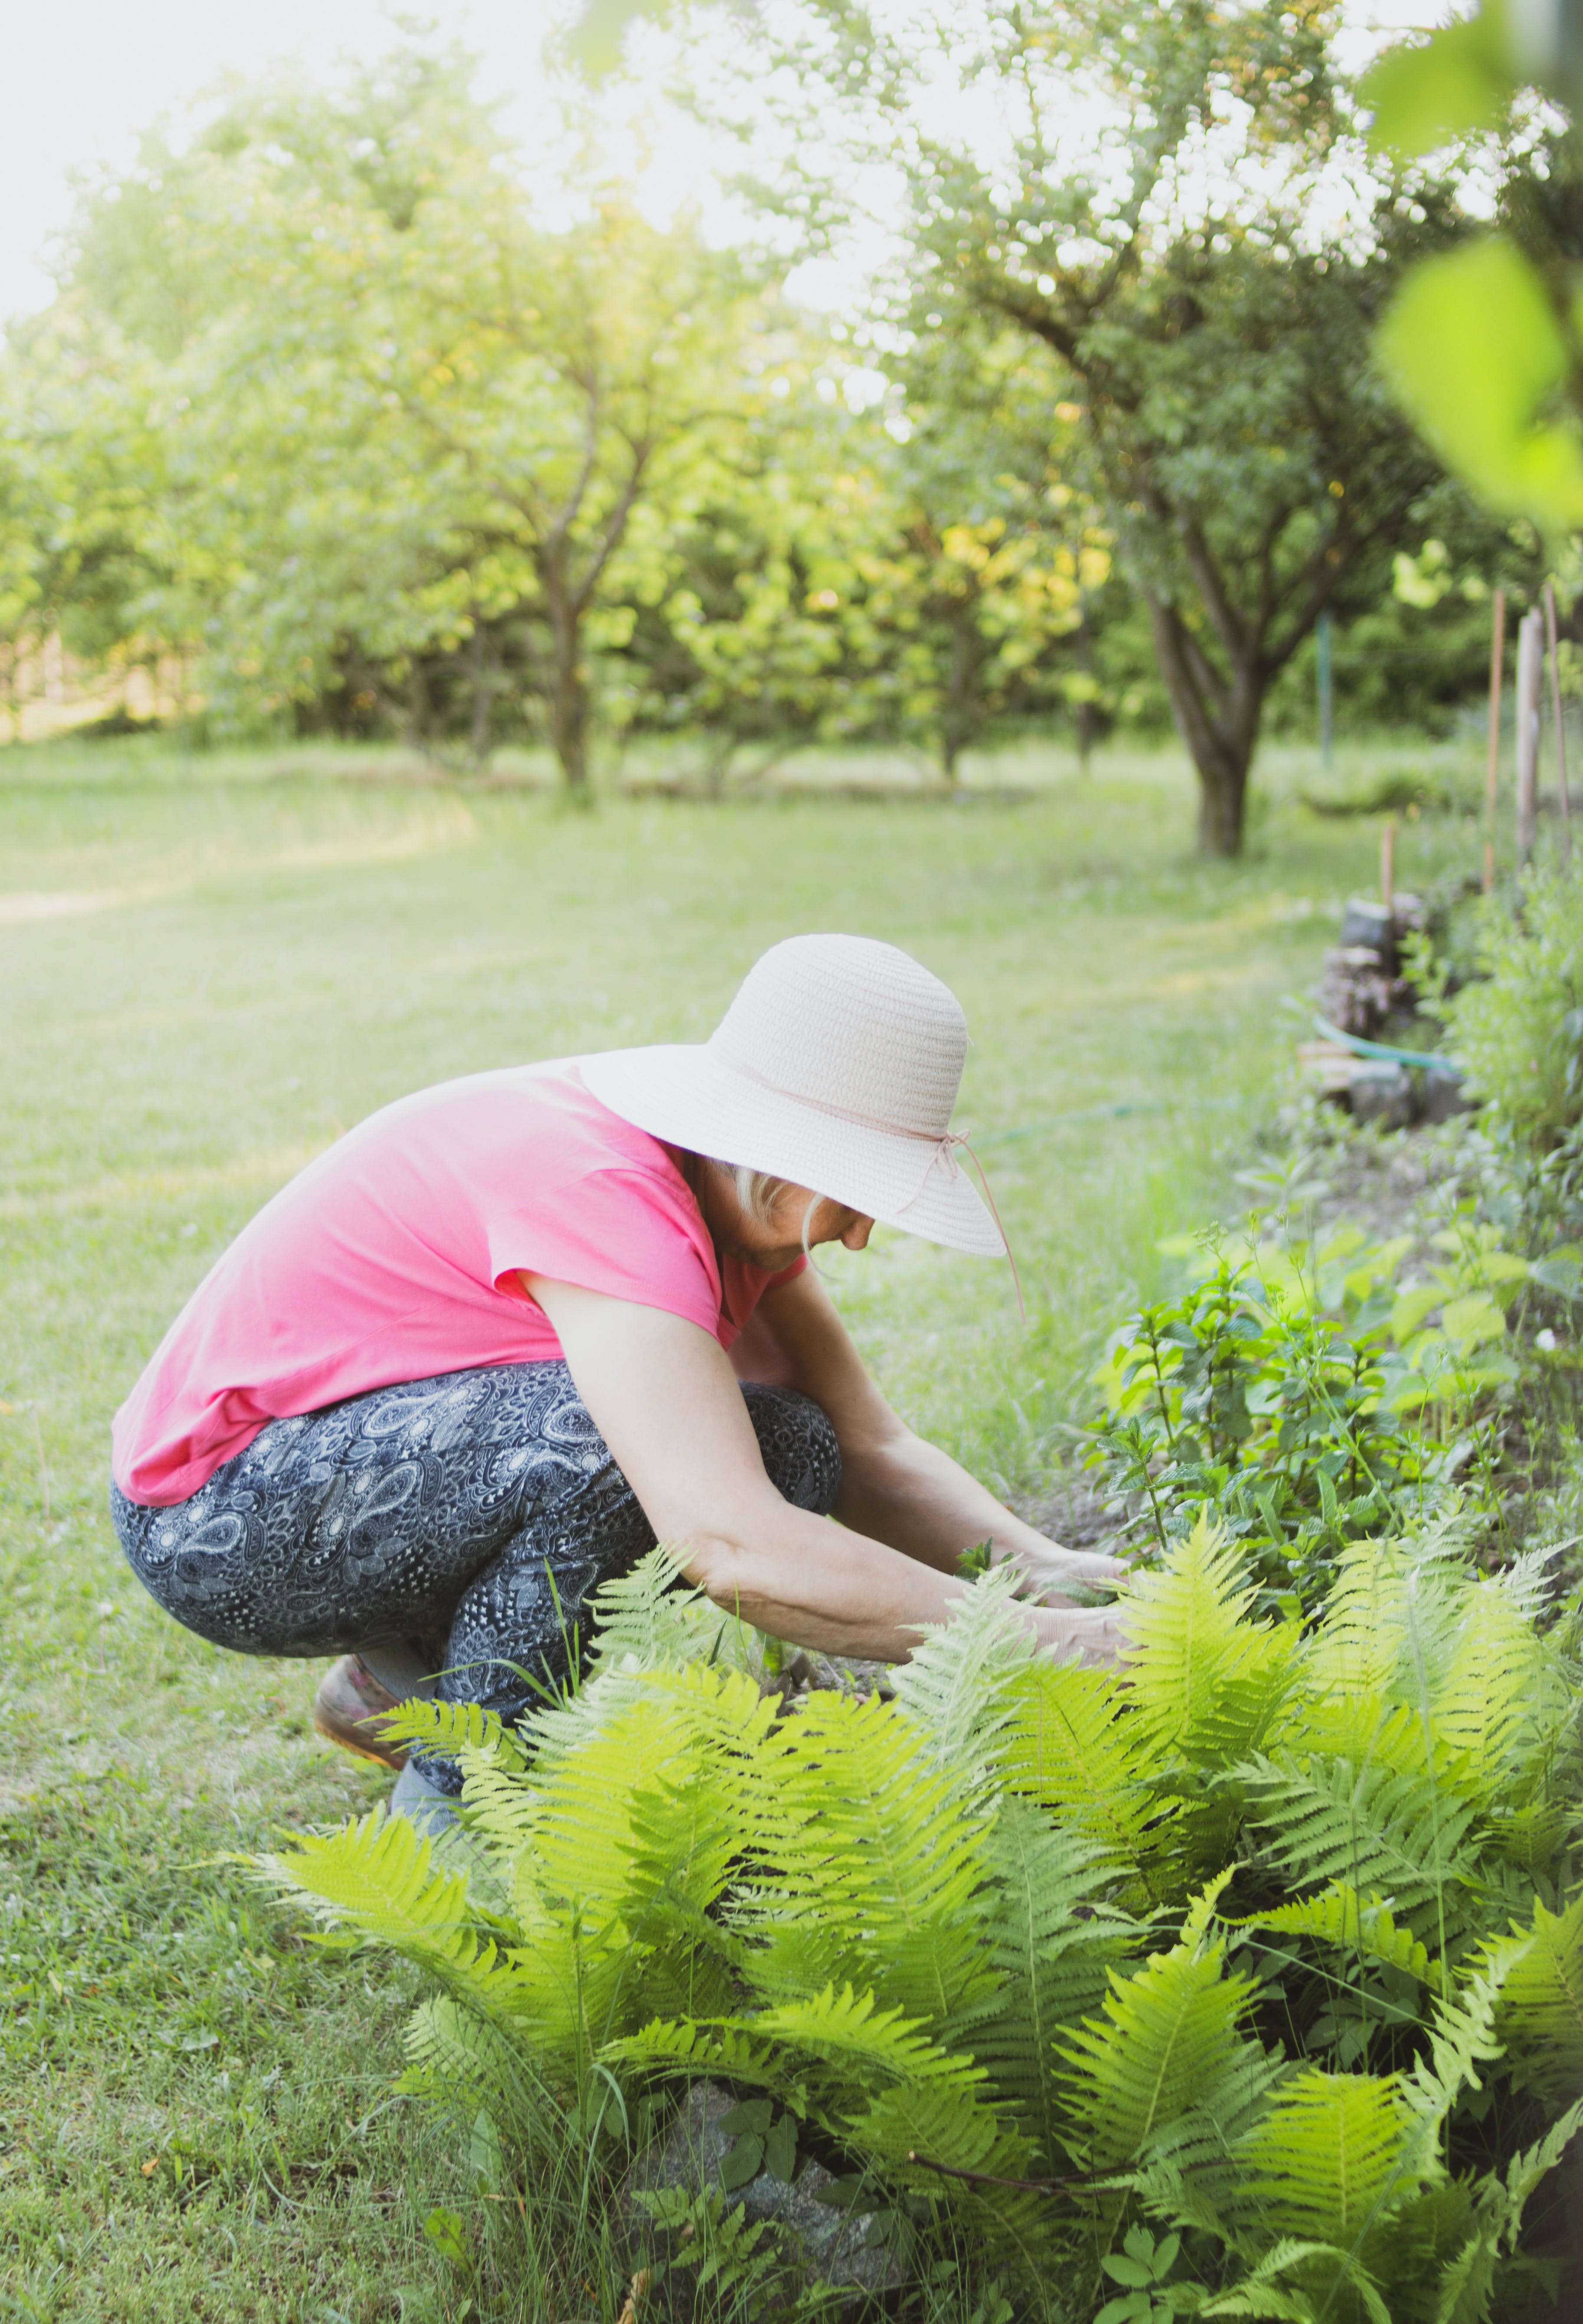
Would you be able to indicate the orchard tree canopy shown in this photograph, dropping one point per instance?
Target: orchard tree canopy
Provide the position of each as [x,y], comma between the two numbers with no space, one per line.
[412,432]
[327,413]
[1149,213]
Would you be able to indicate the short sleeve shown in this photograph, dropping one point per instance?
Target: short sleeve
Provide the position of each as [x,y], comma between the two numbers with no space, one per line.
[624,1232]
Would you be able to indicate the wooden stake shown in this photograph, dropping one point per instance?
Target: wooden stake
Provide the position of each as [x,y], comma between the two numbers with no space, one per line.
[1530,671]
[1555,704]
[1388,865]
[1497,662]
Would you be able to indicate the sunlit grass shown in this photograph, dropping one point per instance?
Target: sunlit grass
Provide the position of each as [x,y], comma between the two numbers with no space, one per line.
[253,958]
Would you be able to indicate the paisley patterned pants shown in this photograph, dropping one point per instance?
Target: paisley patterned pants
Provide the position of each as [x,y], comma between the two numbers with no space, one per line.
[461,1521]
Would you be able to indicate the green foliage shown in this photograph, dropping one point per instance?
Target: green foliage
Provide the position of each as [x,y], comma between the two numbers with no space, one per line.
[1246,452]
[1517,1028]
[910,1931]
[841,585]
[1481,342]
[1310,1395]
[420,477]
[1144,2265]
[1478,355]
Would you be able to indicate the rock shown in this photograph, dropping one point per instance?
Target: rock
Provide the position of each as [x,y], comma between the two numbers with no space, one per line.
[825,2239]
[1382,1091]
[1367,926]
[1441,1097]
[1327,1066]
[1355,993]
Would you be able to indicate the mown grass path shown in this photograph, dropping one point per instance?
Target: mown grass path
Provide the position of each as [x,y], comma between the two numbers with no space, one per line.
[206,976]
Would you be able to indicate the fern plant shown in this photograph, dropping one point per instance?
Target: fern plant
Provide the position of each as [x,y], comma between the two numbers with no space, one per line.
[1267,1950]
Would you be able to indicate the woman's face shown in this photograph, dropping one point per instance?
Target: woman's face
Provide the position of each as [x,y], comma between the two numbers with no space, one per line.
[776,1242]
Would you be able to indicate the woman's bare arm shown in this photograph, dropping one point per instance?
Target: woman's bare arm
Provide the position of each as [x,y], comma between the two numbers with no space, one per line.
[665,1399]
[895,1485]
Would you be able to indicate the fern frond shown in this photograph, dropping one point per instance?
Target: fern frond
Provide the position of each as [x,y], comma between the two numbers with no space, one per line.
[1076,1745]
[1482,1706]
[681,1956]
[1421,2246]
[1466,2282]
[958,1683]
[1327,1821]
[1325,2161]
[1166,2040]
[840,2027]
[1206,1681]
[1525,1582]
[1530,1838]
[1051,1948]
[910,2103]
[1259,2294]
[871,1871]
[1326,2269]
[689,2048]
[452,1728]
[460,2062]
[1462,2038]
[593,1773]
[1364,1925]
[653,1619]
[1362,1646]
[1192,2169]
[837,2047]
[1541,2016]
[1528,2168]
[376,1875]
[501,1808]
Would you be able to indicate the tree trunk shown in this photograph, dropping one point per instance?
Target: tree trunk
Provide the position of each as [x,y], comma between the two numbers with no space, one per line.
[481,674]
[1086,720]
[568,694]
[1090,721]
[1218,720]
[960,725]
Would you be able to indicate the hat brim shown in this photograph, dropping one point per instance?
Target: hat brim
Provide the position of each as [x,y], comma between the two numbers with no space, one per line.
[683,1093]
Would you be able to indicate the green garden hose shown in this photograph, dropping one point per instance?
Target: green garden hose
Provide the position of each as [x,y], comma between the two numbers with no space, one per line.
[1426,1060]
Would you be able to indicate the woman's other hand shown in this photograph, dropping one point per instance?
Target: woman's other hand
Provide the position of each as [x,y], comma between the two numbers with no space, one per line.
[1097,1633]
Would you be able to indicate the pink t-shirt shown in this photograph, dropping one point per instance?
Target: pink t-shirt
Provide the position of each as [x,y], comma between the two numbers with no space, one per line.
[394,1257]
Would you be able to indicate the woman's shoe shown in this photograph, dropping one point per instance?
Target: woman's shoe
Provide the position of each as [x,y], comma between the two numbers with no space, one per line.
[347,1707]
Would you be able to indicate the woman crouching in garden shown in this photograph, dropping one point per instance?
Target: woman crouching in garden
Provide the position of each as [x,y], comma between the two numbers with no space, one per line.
[492,1344]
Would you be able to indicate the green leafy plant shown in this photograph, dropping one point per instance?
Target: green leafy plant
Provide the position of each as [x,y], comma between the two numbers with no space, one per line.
[1308,1393]
[1143,2266]
[718,2257]
[1482,340]
[1517,1026]
[1241,1981]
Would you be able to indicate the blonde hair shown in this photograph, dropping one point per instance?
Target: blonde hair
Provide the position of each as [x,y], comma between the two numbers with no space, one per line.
[758,1191]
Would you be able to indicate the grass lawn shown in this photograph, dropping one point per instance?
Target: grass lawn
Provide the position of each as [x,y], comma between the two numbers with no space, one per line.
[212,967]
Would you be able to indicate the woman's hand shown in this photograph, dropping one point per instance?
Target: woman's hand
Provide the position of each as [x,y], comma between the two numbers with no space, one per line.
[1095,1633]
[1054,1571]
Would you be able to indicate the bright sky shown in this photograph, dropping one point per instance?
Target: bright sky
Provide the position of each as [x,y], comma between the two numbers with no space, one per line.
[84,77]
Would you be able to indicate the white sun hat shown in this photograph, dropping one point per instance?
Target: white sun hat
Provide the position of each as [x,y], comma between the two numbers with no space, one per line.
[836,1067]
